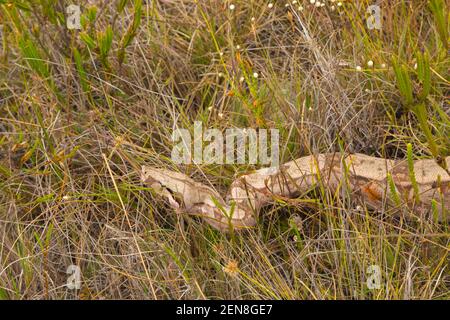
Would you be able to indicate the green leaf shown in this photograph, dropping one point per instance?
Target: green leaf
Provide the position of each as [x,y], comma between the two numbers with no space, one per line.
[422,115]
[438,9]
[121,5]
[105,43]
[412,175]
[393,190]
[131,31]
[404,83]
[33,57]
[80,69]
[87,40]
[424,74]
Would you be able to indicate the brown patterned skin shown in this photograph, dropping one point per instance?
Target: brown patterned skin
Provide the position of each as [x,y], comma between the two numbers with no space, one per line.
[361,175]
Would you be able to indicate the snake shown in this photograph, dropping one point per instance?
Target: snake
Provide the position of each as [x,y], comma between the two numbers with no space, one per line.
[422,186]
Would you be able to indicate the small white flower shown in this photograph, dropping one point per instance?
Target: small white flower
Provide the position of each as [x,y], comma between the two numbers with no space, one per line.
[333,8]
[312,1]
[370,63]
[210,108]
[358,68]
[66,197]
[255,75]
[220,75]
[294,2]
[339,4]
[253,19]
[300,8]
[270,5]
[286,5]
[220,115]
[232,7]
[241,79]
[415,66]
[322,4]
[238,47]
[367,91]
[221,54]
[383,65]
[318,4]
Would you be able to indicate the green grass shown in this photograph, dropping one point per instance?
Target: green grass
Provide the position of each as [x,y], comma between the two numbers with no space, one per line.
[82,110]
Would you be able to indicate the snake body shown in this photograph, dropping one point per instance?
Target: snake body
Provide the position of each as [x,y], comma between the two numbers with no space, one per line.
[377,181]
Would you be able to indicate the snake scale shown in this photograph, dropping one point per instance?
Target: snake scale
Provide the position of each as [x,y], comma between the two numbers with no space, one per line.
[378,182]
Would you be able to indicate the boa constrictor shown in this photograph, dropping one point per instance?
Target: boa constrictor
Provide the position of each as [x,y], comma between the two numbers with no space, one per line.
[377,181]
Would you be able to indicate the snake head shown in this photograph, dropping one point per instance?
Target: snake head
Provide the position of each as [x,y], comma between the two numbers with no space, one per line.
[197,199]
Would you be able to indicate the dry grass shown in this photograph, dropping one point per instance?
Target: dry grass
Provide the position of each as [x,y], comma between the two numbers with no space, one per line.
[79,116]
